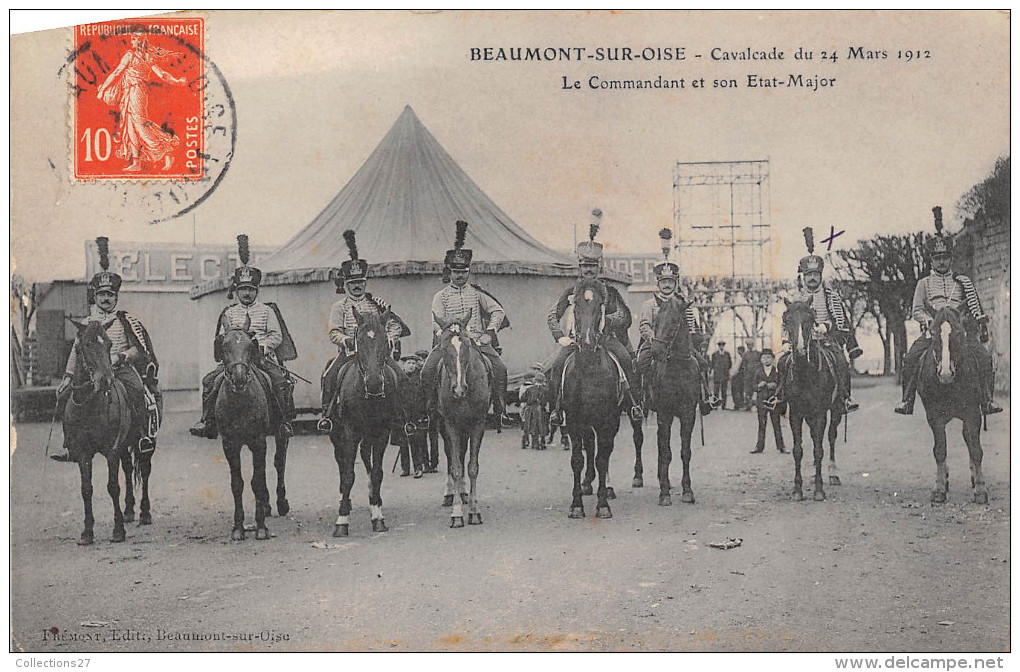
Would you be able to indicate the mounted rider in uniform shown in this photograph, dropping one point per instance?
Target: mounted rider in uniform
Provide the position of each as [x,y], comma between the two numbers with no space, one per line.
[833,329]
[939,289]
[458,299]
[134,361]
[265,322]
[352,281]
[667,279]
[618,319]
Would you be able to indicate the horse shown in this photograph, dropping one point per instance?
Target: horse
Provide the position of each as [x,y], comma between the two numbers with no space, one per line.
[243,418]
[464,398]
[97,420]
[591,397]
[948,386]
[676,393]
[812,392]
[368,398]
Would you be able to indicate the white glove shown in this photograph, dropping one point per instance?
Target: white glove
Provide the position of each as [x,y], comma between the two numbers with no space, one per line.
[786,348]
[484,339]
[565,341]
[821,328]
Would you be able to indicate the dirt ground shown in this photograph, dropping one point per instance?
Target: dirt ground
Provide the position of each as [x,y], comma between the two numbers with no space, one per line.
[876,567]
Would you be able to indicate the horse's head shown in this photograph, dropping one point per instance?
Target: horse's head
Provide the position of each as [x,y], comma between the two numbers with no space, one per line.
[238,350]
[798,322]
[456,345]
[93,356]
[671,335]
[372,348]
[948,342]
[589,313]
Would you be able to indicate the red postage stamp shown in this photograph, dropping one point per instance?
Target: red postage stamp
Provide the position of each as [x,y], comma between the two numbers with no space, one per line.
[138,101]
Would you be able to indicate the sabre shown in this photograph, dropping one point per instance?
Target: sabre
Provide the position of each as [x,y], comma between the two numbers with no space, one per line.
[288,372]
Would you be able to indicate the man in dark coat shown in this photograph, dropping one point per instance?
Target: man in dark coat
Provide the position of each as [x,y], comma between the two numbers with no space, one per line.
[765,381]
[739,379]
[721,365]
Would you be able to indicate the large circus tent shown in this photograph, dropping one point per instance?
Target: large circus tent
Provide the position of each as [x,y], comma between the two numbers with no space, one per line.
[402,204]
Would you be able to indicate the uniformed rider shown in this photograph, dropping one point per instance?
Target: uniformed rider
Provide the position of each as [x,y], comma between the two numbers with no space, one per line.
[833,328]
[618,319]
[270,331]
[459,298]
[134,361]
[939,289]
[352,281]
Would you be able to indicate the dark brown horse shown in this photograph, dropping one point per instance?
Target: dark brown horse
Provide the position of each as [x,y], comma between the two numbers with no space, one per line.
[97,420]
[243,418]
[810,387]
[367,405]
[676,392]
[592,397]
[464,397]
[948,384]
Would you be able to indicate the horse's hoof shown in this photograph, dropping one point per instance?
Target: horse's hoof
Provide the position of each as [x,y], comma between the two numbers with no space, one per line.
[638,482]
[282,507]
[798,495]
[586,490]
[834,480]
[341,530]
[980,497]
[610,493]
[457,521]
[261,534]
[447,500]
[237,534]
[87,539]
[576,512]
[474,518]
[938,497]
[603,512]
[129,516]
[118,536]
[687,497]
[665,499]
[819,496]
[379,525]
[145,518]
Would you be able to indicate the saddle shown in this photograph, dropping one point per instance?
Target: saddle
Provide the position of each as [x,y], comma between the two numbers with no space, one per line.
[620,379]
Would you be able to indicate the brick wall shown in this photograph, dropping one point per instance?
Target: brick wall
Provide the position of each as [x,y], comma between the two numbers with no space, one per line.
[983,254]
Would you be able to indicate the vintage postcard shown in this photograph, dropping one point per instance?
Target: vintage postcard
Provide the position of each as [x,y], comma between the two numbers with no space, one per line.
[512,331]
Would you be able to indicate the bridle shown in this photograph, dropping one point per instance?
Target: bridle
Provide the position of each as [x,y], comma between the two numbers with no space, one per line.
[248,368]
[85,371]
[381,394]
[597,342]
[670,340]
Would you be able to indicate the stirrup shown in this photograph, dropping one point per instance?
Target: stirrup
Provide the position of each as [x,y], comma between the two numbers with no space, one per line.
[146,445]
[410,428]
[855,353]
[714,401]
[771,403]
[990,408]
[556,418]
[505,420]
[325,425]
[285,430]
[637,414]
[850,405]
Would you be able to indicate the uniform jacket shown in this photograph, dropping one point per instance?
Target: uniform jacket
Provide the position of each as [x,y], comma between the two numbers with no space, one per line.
[650,312]
[265,321]
[771,381]
[128,337]
[487,314]
[936,291]
[343,323]
[828,307]
[618,315]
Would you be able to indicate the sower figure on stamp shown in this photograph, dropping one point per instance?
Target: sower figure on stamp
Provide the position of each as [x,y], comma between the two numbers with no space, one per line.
[667,280]
[617,321]
[134,361]
[833,328]
[765,382]
[942,288]
[265,322]
[352,281]
[458,299]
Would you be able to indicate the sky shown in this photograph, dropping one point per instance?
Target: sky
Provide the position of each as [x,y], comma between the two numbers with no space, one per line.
[316,91]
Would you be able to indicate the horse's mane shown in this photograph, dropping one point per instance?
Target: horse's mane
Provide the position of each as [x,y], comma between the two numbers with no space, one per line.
[947,314]
[583,284]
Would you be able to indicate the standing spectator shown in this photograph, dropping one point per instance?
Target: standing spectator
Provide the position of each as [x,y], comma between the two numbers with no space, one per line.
[721,365]
[737,381]
[752,359]
[765,380]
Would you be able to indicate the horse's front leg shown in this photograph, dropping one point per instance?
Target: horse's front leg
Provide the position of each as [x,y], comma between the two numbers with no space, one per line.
[474,515]
[233,454]
[797,429]
[455,464]
[129,488]
[664,429]
[85,470]
[817,426]
[280,462]
[589,441]
[145,466]
[688,414]
[972,437]
[259,486]
[576,465]
[938,430]
[450,489]
[835,417]
[378,440]
[113,487]
[604,450]
[344,453]
[639,442]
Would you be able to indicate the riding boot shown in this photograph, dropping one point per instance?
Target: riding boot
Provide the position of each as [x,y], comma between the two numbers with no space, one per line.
[906,406]
[283,394]
[206,427]
[848,402]
[989,407]
[325,424]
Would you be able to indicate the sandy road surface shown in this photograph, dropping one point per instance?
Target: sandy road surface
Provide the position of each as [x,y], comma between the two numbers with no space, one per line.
[875,567]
